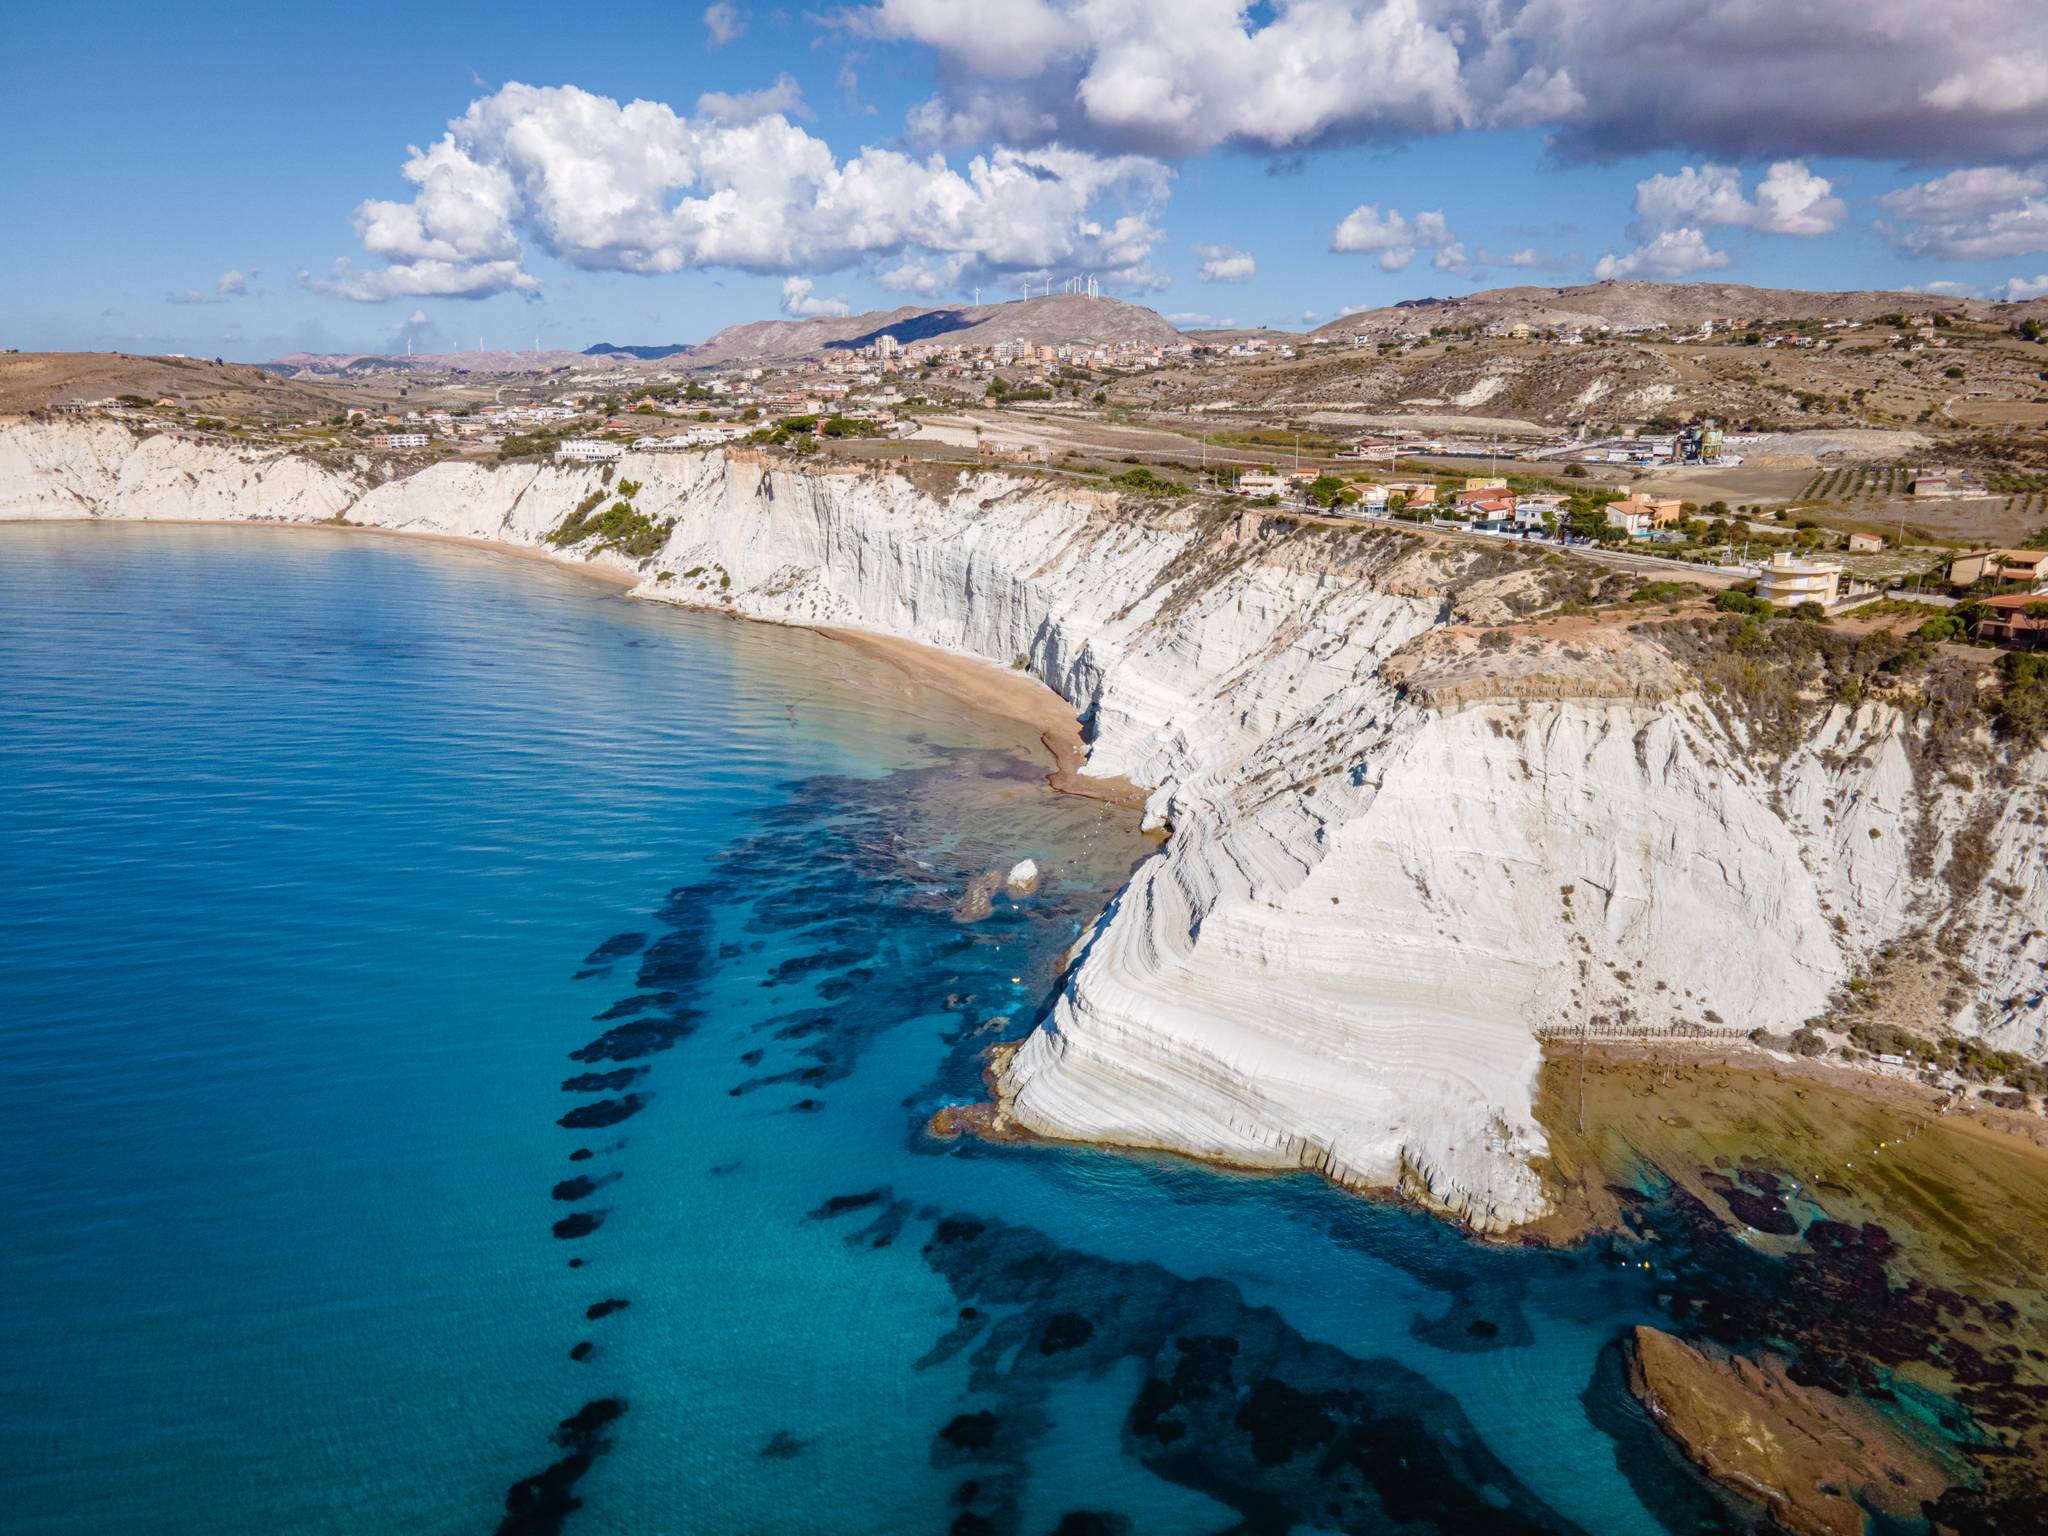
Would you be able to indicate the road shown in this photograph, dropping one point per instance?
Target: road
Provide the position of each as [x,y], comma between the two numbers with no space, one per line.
[1616,559]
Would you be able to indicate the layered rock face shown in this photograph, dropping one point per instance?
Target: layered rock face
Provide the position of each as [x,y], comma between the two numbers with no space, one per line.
[1399,858]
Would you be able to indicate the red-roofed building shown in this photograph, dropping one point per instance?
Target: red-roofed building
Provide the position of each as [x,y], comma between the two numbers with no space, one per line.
[2018,620]
[1485,505]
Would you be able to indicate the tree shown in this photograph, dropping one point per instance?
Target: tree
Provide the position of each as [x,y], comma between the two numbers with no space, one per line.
[1590,522]
[1326,490]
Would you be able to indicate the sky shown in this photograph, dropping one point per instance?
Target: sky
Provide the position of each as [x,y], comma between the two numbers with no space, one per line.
[246,180]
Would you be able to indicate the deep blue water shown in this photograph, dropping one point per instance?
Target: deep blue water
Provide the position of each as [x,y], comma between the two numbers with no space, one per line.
[336,872]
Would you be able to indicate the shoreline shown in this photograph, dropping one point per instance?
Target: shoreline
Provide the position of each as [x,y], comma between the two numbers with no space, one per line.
[984,686]
[1021,698]
[1682,1111]
[1579,1173]
[974,682]
[619,580]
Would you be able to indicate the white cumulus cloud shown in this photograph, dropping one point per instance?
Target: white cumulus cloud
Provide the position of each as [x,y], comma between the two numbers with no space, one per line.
[1790,200]
[722,24]
[1735,78]
[2020,288]
[1225,264]
[785,97]
[1981,212]
[1394,238]
[798,300]
[640,188]
[1674,253]
[231,284]
[2003,82]
[1185,75]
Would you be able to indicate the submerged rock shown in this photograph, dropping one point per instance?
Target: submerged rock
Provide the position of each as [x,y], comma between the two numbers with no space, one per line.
[1812,1458]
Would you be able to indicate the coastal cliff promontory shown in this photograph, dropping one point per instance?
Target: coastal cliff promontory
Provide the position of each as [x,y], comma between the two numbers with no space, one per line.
[1424,813]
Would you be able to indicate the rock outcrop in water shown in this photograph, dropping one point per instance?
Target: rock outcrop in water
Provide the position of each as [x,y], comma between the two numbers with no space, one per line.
[1811,1457]
[1404,851]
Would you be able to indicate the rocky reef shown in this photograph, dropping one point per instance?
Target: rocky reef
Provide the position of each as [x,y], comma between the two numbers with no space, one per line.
[1800,1451]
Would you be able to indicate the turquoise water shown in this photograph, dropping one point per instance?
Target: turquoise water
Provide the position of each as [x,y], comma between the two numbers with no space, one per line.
[338,871]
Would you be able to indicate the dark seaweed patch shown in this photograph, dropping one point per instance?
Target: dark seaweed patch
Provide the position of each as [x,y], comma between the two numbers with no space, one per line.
[840,1205]
[782,1446]
[538,1505]
[606,1308]
[1231,1401]
[601,1082]
[1089,1522]
[617,947]
[603,1112]
[1064,1331]
[898,952]
[970,1431]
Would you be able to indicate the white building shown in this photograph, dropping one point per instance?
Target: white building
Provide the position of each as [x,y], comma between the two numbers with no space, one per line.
[1789,581]
[1259,482]
[587,450]
[401,440]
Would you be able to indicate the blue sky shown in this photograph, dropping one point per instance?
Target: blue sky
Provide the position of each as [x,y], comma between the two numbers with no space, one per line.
[178,185]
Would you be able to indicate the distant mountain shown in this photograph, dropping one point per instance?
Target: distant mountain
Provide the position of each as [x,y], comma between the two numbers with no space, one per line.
[646,354]
[319,365]
[1059,317]
[1615,305]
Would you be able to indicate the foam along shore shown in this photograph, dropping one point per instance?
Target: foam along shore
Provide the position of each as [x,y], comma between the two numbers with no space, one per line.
[1399,860]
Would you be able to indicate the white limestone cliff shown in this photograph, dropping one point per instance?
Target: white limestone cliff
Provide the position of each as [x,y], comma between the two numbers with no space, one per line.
[1396,862]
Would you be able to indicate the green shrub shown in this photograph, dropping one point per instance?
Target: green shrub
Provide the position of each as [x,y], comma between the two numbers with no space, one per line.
[1664,592]
[620,527]
[2023,705]
[1736,601]
[1146,483]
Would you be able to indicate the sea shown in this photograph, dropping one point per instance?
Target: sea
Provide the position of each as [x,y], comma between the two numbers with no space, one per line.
[468,1042]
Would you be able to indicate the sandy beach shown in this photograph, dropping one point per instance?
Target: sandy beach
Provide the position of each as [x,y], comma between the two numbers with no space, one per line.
[985,688]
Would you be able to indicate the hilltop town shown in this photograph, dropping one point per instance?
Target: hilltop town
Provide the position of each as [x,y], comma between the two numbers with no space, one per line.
[1830,449]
